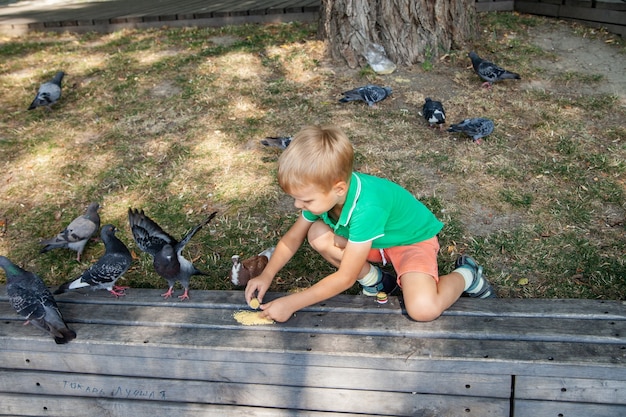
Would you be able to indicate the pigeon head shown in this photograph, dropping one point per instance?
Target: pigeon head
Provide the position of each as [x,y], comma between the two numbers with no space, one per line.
[12,271]
[107,231]
[237,273]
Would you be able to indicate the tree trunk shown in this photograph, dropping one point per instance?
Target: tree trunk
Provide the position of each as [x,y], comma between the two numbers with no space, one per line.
[411,31]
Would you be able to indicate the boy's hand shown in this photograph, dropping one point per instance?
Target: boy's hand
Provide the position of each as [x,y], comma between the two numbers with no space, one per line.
[257,287]
[279,310]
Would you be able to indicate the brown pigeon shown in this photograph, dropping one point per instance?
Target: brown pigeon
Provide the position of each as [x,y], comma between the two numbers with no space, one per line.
[244,271]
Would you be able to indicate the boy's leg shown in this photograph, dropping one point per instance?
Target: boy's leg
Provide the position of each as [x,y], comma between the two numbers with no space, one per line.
[476,285]
[425,299]
[329,245]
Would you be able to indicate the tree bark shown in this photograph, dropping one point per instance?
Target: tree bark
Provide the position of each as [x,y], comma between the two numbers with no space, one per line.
[411,31]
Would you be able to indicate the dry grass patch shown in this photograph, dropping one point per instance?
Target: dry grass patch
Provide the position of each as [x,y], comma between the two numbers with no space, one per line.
[169,120]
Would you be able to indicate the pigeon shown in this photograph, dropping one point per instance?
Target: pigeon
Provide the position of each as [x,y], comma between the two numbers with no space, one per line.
[244,271]
[371,94]
[280,142]
[32,300]
[107,270]
[48,93]
[166,251]
[76,235]
[434,113]
[489,71]
[476,128]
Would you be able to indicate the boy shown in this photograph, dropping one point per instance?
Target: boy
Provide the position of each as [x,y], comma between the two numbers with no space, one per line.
[353,219]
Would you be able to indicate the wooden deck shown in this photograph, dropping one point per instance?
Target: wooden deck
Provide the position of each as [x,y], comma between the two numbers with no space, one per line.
[144,356]
[110,15]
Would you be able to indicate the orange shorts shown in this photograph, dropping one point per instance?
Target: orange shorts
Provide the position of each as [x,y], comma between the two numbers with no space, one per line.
[419,257]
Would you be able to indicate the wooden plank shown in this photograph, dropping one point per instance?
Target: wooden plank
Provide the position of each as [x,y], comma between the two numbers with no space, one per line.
[611,5]
[495,6]
[380,379]
[542,9]
[565,308]
[254,395]
[528,408]
[593,15]
[353,323]
[613,19]
[309,334]
[51,406]
[430,355]
[571,390]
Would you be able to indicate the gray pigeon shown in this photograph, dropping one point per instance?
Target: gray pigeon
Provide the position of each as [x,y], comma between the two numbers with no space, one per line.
[489,71]
[109,268]
[371,94]
[32,300]
[280,142]
[434,113]
[76,235]
[242,271]
[476,128]
[48,93]
[166,251]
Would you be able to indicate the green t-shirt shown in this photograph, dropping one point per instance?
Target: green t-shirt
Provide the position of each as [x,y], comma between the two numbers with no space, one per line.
[382,212]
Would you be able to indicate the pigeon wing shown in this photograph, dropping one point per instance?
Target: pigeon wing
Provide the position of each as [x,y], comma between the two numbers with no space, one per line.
[489,71]
[373,94]
[352,95]
[180,245]
[148,235]
[105,272]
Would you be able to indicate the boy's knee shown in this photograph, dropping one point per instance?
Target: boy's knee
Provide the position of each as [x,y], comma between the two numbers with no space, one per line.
[423,310]
[319,236]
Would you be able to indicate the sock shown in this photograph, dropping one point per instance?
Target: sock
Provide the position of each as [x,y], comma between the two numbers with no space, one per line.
[468,276]
[372,277]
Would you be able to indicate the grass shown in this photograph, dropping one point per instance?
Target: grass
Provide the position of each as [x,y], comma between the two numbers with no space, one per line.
[169,120]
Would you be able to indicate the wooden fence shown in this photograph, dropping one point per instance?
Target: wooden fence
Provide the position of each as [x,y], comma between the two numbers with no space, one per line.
[108,16]
[610,14]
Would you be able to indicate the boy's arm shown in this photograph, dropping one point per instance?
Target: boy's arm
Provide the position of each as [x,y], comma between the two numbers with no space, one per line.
[354,257]
[285,249]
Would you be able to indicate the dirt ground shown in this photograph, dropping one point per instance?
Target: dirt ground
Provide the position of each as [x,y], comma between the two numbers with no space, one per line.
[584,55]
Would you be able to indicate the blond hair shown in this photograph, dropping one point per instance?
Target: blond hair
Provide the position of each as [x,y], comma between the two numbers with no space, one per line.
[320,156]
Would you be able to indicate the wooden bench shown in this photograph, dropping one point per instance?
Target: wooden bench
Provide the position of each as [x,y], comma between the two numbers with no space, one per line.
[144,356]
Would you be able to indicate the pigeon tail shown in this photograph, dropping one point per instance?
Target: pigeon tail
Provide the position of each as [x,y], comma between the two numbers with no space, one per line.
[68,336]
[510,75]
[268,252]
[193,231]
[63,288]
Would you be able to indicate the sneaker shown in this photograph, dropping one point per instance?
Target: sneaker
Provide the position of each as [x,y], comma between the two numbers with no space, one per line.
[480,287]
[388,283]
